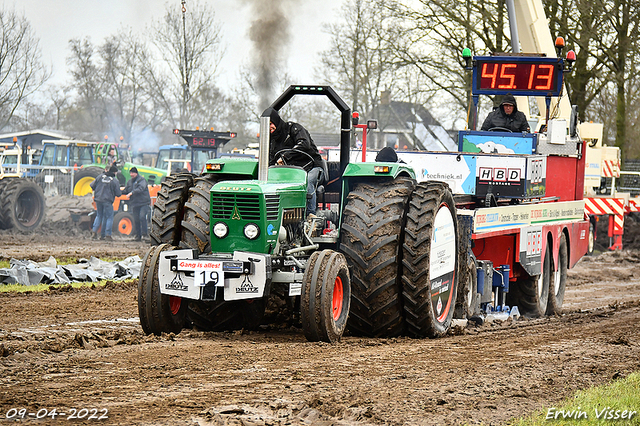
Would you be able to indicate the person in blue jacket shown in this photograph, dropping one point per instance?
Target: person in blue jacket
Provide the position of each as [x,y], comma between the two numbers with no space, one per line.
[105,190]
[140,202]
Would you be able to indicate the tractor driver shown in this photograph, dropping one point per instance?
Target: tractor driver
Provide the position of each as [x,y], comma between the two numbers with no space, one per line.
[507,117]
[112,158]
[291,144]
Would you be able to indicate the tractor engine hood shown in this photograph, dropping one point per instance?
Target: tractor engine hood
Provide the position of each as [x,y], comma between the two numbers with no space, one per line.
[246,215]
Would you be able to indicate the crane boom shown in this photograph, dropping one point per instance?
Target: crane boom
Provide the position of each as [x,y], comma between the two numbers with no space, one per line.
[535,37]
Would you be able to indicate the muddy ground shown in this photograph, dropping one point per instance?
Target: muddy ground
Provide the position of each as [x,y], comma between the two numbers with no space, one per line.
[73,349]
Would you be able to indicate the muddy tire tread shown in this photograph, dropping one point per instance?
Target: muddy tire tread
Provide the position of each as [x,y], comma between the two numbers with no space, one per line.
[416,289]
[168,211]
[372,234]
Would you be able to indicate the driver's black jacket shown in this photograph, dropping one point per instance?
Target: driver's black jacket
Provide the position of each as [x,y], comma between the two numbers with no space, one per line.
[516,121]
[294,136]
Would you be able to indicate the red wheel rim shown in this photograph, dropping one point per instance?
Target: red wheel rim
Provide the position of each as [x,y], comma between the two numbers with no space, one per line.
[337,298]
[174,304]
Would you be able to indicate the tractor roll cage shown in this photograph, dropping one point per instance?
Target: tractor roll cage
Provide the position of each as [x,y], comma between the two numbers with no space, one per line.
[345,120]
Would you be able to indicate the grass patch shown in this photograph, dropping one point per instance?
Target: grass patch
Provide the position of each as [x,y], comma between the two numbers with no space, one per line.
[19,288]
[594,406]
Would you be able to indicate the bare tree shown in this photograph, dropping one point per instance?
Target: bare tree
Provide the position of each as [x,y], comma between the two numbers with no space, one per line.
[21,69]
[358,62]
[189,41]
[86,114]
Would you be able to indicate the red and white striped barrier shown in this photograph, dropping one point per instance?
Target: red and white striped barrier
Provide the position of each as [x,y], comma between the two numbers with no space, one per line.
[611,168]
[601,206]
[615,208]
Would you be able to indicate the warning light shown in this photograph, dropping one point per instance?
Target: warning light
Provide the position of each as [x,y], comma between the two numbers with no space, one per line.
[176,131]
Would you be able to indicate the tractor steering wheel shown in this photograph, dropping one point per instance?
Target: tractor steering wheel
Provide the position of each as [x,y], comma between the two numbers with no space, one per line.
[501,128]
[280,155]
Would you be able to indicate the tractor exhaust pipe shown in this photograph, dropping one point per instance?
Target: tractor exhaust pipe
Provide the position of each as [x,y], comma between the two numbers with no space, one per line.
[263,156]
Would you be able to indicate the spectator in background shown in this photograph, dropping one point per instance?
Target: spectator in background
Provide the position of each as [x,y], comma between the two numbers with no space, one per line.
[112,158]
[140,202]
[105,190]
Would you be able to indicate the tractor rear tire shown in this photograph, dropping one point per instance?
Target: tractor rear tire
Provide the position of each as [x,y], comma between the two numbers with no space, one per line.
[83,179]
[558,282]
[430,261]
[168,211]
[195,224]
[224,316]
[22,204]
[531,294]
[158,312]
[326,295]
[123,223]
[372,236]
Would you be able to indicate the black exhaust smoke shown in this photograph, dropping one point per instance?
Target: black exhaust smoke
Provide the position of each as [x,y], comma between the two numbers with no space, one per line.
[270,35]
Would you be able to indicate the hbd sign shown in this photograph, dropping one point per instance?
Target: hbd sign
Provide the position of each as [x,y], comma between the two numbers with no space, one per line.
[499,174]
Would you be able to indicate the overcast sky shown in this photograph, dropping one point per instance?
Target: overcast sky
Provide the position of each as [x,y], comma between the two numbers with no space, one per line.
[57,21]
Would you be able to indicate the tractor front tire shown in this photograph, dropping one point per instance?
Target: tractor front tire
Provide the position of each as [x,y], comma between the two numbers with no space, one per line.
[22,204]
[372,235]
[430,261]
[168,211]
[326,294]
[159,313]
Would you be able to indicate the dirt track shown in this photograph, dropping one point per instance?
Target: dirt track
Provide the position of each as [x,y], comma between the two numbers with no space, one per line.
[73,349]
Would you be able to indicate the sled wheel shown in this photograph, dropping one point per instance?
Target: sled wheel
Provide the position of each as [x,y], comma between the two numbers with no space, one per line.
[467,301]
[83,179]
[592,239]
[168,210]
[430,260]
[558,282]
[22,204]
[371,241]
[531,294]
[326,294]
[158,313]
[123,223]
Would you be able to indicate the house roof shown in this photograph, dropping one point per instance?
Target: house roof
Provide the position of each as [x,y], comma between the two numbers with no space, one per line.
[32,138]
[416,120]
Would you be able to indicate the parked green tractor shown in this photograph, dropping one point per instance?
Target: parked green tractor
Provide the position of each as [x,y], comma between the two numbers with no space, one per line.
[228,240]
[89,172]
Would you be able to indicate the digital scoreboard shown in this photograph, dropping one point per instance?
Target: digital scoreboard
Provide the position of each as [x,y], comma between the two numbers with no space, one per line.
[520,76]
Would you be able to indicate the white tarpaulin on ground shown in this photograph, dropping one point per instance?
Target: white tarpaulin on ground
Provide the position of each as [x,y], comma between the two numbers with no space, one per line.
[28,272]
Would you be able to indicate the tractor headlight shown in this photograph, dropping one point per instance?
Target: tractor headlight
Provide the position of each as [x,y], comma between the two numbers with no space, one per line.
[220,230]
[251,231]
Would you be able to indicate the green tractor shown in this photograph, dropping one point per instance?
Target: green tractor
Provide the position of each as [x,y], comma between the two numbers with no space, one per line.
[89,172]
[379,260]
